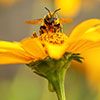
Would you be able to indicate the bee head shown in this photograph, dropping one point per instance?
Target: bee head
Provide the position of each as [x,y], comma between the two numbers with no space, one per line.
[50,17]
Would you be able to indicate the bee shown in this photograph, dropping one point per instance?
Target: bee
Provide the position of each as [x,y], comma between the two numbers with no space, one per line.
[50,22]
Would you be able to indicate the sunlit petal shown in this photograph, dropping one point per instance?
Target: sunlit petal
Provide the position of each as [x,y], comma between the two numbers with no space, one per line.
[90,51]
[92,34]
[55,51]
[34,47]
[12,53]
[88,29]
[85,39]
[92,65]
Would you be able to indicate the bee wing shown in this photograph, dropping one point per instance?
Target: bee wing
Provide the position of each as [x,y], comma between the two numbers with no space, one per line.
[35,21]
[66,20]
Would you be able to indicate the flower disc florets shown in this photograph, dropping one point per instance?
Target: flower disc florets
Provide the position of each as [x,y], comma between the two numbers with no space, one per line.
[54,38]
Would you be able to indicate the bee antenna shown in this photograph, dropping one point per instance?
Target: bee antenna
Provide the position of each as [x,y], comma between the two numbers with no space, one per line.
[48,10]
[56,11]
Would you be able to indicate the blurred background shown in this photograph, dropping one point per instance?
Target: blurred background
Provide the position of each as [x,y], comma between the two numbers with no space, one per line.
[18,82]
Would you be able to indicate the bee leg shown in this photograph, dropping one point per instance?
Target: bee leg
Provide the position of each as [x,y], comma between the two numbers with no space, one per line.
[34,34]
[43,30]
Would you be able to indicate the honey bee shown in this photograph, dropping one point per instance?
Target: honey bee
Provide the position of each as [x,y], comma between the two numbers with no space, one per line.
[50,22]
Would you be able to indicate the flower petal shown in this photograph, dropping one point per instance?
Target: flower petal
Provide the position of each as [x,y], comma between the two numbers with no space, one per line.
[34,47]
[92,34]
[92,65]
[12,53]
[55,51]
[85,39]
[89,29]
[90,51]
[79,45]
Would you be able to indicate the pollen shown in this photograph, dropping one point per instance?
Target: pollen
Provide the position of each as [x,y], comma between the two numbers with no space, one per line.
[54,38]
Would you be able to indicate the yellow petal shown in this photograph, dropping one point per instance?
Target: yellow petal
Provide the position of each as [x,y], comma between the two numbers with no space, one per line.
[55,51]
[68,7]
[85,39]
[92,34]
[12,53]
[79,46]
[88,29]
[34,47]
[92,65]
[90,51]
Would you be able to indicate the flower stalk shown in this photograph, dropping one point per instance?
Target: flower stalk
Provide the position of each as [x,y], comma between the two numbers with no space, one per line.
[54,71]
[57,81]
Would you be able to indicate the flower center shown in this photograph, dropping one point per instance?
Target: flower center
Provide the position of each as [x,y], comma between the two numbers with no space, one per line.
[54,38]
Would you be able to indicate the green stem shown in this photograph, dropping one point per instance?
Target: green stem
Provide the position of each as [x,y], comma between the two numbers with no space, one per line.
[60,90]
[57,81]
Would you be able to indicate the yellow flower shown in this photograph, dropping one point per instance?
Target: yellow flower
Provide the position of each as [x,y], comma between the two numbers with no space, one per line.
[68,7]
[72,8]
[84,39]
